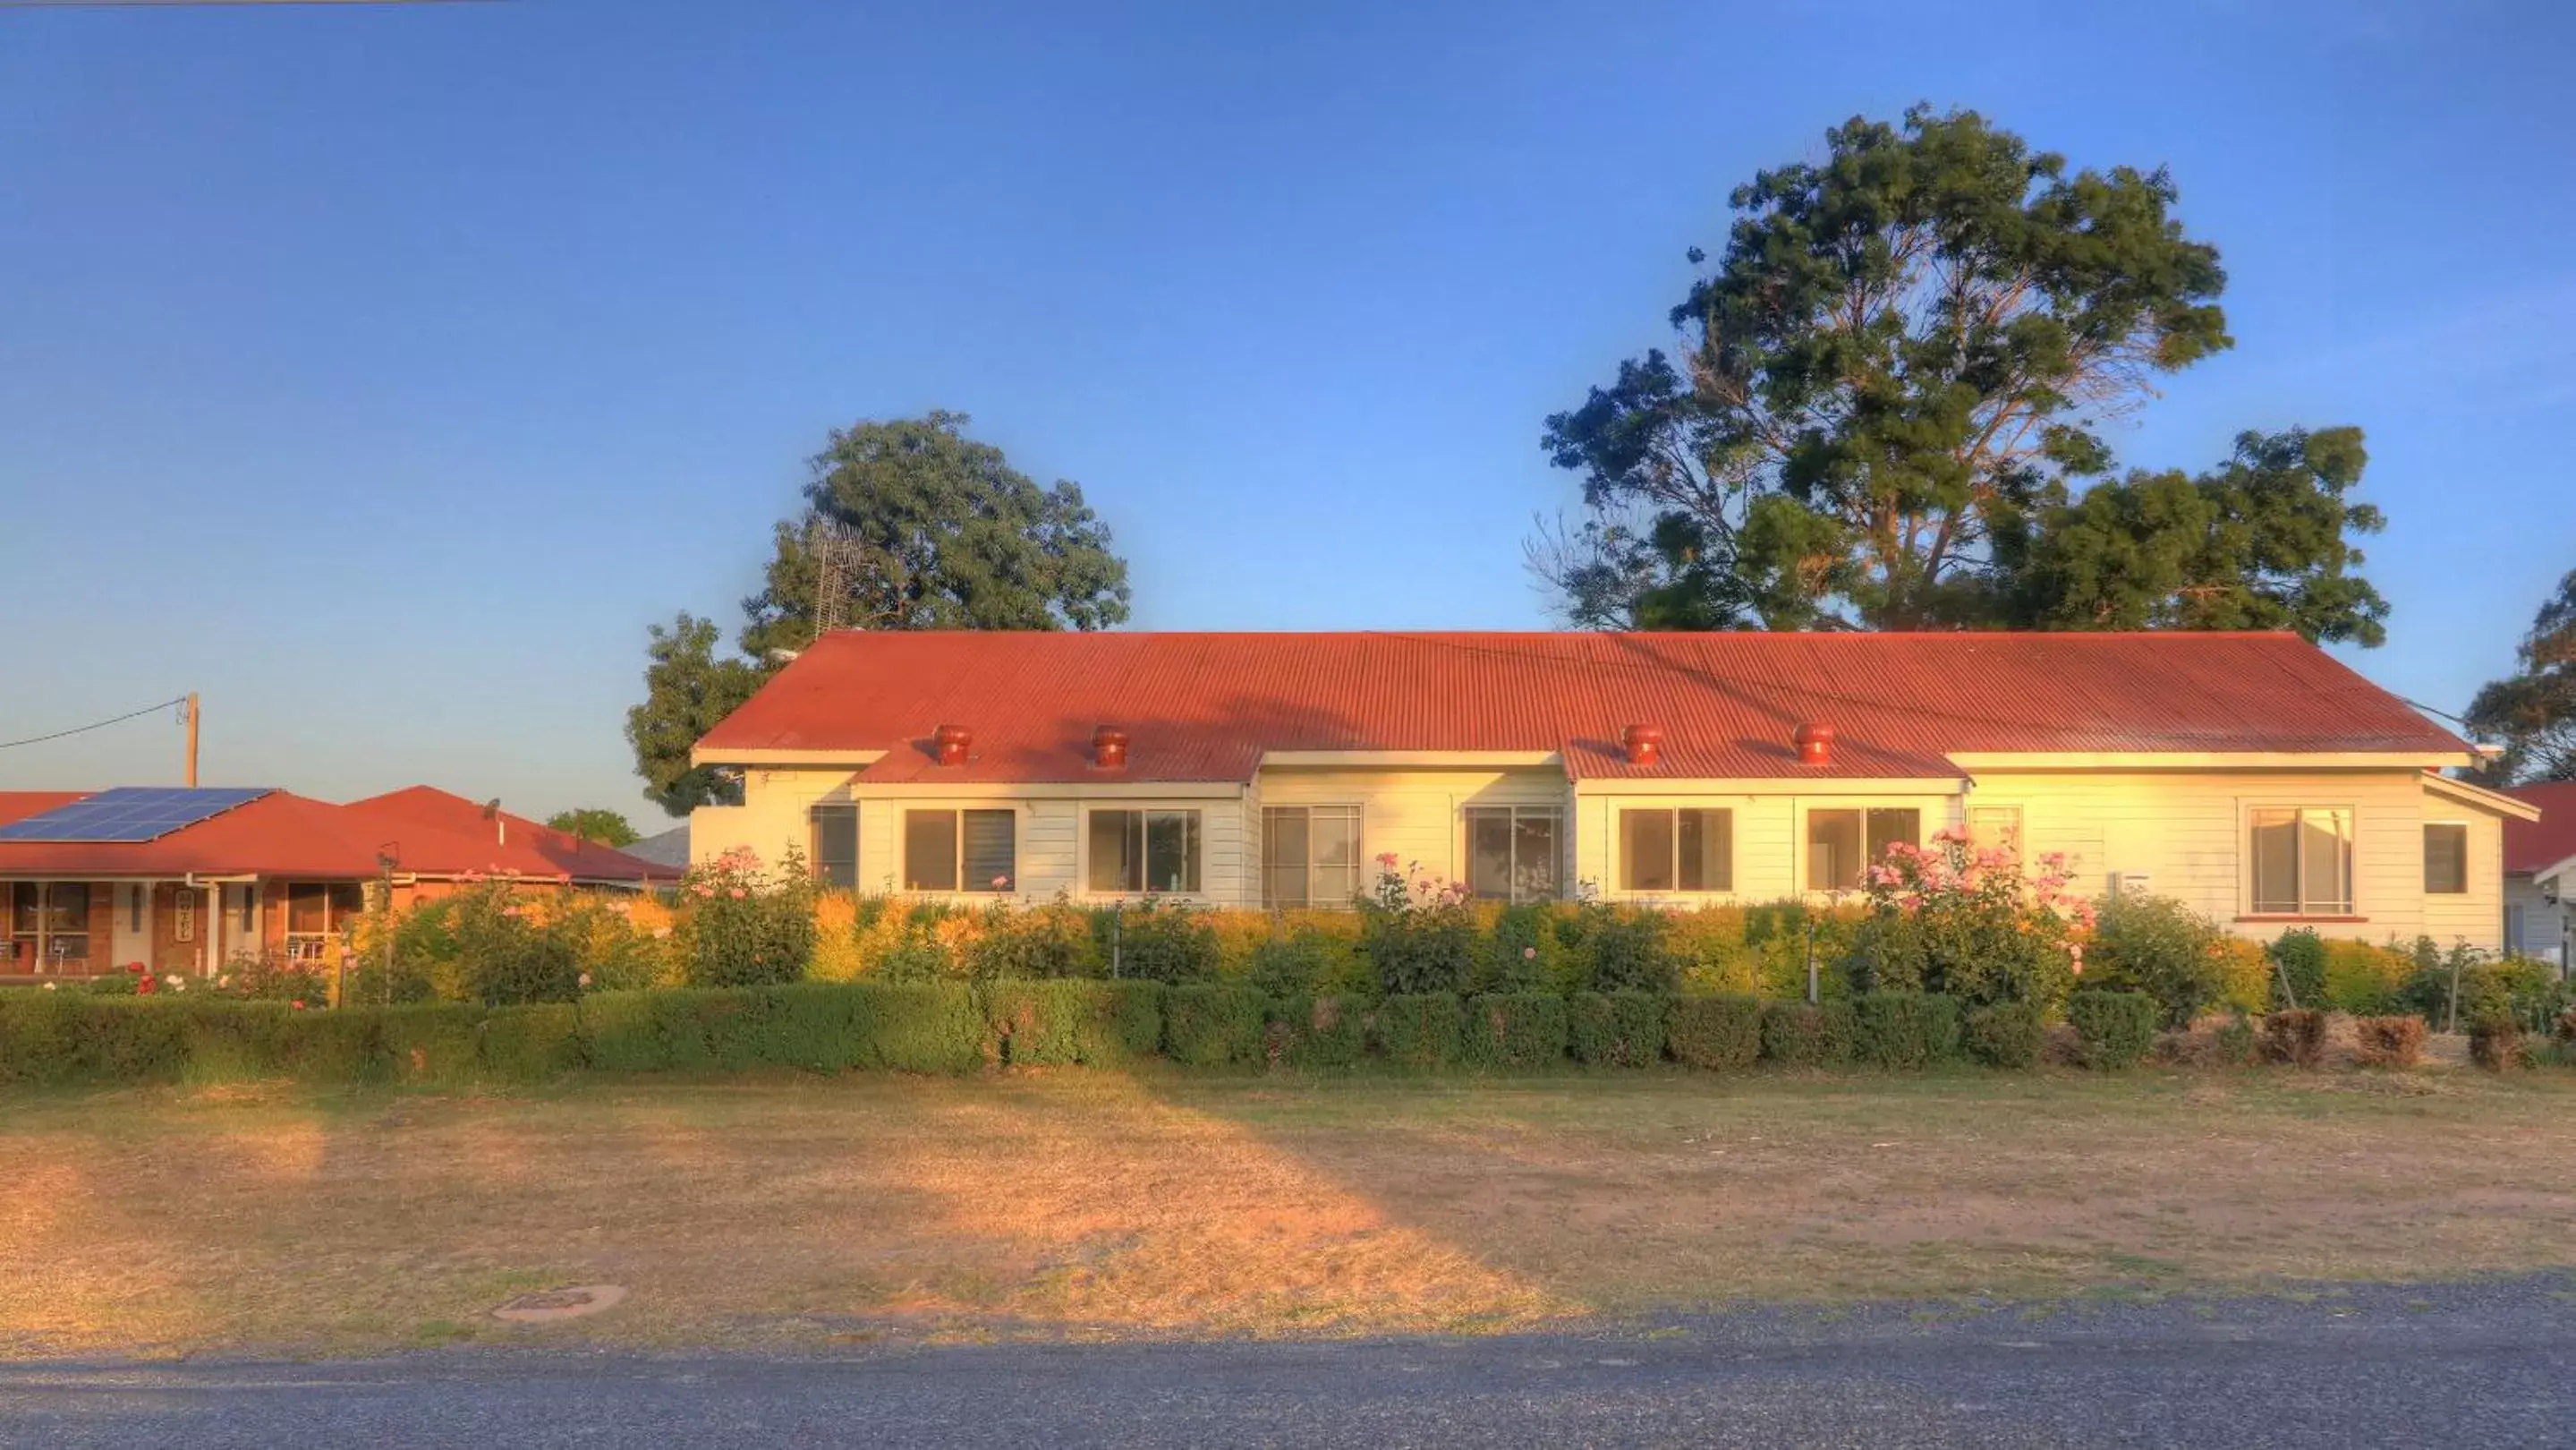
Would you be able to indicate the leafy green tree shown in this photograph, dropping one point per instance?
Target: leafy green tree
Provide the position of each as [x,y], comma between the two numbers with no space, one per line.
[924,528]
[2261,542]
[596,823]
[2533,712]
[1885,387]
[688,688]
[937,531]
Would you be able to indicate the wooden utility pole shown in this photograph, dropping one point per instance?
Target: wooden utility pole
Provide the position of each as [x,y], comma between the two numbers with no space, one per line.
[192,740]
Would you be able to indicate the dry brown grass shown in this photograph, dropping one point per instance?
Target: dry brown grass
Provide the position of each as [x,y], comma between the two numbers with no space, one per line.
[804,1211]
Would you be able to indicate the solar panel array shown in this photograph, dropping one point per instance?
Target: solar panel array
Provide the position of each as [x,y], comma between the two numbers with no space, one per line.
[128,813]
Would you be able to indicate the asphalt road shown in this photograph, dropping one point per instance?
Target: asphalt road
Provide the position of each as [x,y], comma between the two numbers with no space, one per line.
[2489,1365]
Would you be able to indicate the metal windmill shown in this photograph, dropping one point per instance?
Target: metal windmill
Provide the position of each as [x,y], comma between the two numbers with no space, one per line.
[839,557]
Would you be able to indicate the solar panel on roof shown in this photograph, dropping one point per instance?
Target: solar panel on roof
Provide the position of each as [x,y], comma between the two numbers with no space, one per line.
[129,814]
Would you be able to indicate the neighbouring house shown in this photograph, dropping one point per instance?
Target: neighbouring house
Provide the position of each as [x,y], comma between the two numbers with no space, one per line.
[665,848]
[2250,775]
[2540,875]
[186,879]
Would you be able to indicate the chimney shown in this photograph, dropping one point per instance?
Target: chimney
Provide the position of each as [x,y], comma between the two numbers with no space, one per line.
[1109,748]
[953,741]
[1815,743]
[1645,743]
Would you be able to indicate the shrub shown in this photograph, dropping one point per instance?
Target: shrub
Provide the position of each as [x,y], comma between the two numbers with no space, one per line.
[1419,933]
[2005,1034]
[1520,951]
[1318,1031]
[2389,1041]
[1716,1033]
[1514,1030]
[622,1032]
[233,1041]
[1795,1034]
[1905,1030]
[2244,974]
[1066,1022]
[917,1027]
[2236,1043]
[2299,961]
[1161,941]
[1950,920]
[1038,944]
[2117,1029]
[1288,964]
[2495,1043]
[432,1043]
[1418,1029]
[916,959]
[2296,1036]
[532,1043]
[344,1045]
[271,976]
[1627,952]
[2159,946]
[1207,1026]
[750,929]
[2363,979]
[1616,1029]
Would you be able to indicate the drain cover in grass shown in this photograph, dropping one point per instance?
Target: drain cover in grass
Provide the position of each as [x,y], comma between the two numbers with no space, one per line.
[548,1305]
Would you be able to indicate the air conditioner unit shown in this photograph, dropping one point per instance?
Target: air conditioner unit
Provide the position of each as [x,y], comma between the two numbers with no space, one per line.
[2131,883]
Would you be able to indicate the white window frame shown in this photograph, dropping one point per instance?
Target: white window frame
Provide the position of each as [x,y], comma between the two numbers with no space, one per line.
[308,946]
[2352,908]
[1360,878]
[957,810]
[1466,836]
[1147,808]
[858,843]
[1618,864]
[2468,866]
[1925,808]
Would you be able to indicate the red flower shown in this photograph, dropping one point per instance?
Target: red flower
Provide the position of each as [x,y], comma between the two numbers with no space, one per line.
[297,1004]
[136,968]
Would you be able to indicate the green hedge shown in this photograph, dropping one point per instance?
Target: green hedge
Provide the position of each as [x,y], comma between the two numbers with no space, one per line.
[2006,1035]
[2117,1028]
[1313,1032]
[1213,1026]
[1419,1029]
[1074,1021]
[533,1043]
[1514,1030]
[1717,1033]
[1797,1035]
[1617,1029]
[1904,1031]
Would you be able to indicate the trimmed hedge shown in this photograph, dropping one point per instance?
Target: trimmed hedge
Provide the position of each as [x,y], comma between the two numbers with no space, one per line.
[1904,1030]
[1310,1032]
[1419,1029]
[1715,1034]
[2004,1034]
[1617,1029]
[2117,1028]
[532,1043]
[1212,1026]
[1514,1030]
[1797,1035]
[437,1045]
[1073,1021]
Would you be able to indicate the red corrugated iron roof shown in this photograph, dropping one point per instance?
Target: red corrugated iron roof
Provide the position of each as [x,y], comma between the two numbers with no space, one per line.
[2536,845]
[282,834]
[525,846]
[1208,706]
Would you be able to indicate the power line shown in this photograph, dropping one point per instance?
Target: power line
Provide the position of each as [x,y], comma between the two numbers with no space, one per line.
[93,725]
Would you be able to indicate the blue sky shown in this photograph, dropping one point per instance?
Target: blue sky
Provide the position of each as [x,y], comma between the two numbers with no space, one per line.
[381,372]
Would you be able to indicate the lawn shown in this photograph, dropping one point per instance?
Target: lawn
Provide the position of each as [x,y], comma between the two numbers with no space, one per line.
[813,1212]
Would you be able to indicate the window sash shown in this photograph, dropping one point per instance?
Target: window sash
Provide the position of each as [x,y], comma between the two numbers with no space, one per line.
[836,846]
[961,850]
[2446,858]
[990,846]
[2301,860]
[1515,853]
[1676,849]
[1145,852]
[929,850]
[1843,842]
[1310,855]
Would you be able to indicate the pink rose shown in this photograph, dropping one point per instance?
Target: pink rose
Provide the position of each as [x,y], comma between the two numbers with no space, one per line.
[1529,954]
[737,893]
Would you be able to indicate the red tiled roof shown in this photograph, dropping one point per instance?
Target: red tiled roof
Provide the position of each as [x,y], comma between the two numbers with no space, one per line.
[1207,706]
[2534,845]
[527,847]
[286,835]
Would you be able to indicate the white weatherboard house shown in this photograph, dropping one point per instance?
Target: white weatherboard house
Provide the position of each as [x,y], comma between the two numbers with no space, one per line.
[2540,875]
[2250,775]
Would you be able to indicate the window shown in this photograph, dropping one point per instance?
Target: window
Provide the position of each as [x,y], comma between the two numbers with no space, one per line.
[2302,861]
[1310,855]
[1843,843]
[836,846]
[1996,828]
[2446,859]
[1513,852]
[960,850]
[49,923]
[316,911]
[1677,850]
[2514,940]
[1145,851]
